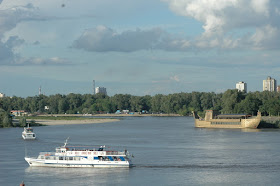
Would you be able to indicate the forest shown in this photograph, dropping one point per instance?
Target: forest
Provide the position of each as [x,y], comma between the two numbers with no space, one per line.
[230,101]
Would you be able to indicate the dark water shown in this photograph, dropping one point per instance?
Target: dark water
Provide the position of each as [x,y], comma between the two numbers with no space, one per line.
[167,150]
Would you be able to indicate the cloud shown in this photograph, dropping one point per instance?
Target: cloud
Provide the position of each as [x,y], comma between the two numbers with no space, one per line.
[36,43]
[104,39]
[9,18]
[266,37]
[14,41]
[233,23]
[175,78]
[54,61]
[7,55]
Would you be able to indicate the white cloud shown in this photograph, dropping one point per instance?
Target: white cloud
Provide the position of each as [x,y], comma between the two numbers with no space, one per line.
[261,6]
[266,37]
[223,20]
[53,61]
[175,78]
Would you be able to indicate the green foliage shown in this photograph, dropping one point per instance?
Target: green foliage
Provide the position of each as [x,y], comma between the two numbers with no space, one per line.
[5,119]
[231,101]
[32,122]
[22,121]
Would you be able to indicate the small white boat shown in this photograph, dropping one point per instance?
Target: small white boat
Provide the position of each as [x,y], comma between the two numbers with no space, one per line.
[28,133]
[77,156]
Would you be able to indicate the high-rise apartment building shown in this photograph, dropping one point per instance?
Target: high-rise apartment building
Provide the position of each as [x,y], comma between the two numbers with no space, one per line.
[269,84]
[100,90]
[278,88]
[2,95]
[241,86]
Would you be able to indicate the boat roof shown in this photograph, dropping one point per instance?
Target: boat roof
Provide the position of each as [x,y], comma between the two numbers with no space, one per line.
[232,115]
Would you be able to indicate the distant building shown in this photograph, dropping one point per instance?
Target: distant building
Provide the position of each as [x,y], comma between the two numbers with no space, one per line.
[278,88]
[19,112]
[269,84]
[101,90]
[2,95]
[241,86]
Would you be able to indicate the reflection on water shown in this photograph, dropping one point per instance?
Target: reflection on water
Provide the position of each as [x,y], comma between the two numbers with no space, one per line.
[76,176]
[250,130]
[167,150]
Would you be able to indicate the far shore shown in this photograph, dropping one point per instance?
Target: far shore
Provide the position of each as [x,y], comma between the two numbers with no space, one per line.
[72,122]
[113,118]
[113,115]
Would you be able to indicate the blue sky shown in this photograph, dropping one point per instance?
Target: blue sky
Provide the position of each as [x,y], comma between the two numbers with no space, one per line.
[139,47]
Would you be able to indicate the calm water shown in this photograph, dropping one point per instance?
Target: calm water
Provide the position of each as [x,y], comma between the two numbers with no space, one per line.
[167,151]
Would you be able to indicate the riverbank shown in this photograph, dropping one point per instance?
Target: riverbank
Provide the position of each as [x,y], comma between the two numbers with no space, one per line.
[71,122]
[68,119]
[110,115]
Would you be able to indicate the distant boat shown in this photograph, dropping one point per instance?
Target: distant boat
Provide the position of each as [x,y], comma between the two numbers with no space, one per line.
[28,133]
[76,156]
[213,120]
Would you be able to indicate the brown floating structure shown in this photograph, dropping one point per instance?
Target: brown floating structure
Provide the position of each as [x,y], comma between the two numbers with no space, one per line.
[214,120]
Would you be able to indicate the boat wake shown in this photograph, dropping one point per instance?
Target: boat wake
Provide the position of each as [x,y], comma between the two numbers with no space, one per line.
[212,166]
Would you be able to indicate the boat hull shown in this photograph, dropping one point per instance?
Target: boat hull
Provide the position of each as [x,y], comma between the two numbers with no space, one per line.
[33,162]
[210,122]
[28,136]
[243,123]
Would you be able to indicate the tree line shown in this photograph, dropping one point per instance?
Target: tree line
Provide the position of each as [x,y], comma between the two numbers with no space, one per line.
[231,101]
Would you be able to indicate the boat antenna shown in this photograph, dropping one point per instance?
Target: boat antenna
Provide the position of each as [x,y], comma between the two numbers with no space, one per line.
[66,142]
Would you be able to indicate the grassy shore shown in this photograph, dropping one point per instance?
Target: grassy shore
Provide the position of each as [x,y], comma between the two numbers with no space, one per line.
[53,117]
[270,122]
[108,115]
[65,120]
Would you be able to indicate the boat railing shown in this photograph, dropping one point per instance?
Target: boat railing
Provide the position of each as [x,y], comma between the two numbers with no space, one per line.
[47,153]
[114,153]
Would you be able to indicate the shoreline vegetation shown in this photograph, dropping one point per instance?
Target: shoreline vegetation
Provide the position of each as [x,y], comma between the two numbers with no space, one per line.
[61,119]
[229,102]
[270,122]
[68,119]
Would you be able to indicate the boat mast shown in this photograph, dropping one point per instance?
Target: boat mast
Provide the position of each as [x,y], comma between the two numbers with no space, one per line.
[66,142]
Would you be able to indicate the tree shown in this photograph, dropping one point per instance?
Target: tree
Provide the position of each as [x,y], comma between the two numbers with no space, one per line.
[22,121]
[5,119]
[250,105]
[229,99]
[121,101]
[156,102]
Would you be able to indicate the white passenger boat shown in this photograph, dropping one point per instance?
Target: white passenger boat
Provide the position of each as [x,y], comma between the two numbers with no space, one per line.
[76,156]
[28,133]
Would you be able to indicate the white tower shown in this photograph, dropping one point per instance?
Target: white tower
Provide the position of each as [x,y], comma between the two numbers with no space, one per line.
[101,90]
[269,84]
[241,86]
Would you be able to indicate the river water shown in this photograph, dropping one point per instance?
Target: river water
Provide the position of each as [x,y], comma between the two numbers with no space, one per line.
[167,151]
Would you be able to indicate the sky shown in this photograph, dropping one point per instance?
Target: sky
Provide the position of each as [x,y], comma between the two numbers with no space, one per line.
[139,47]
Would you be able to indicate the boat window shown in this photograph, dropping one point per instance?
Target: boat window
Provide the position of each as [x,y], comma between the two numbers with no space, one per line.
[70,158]
[60,158]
